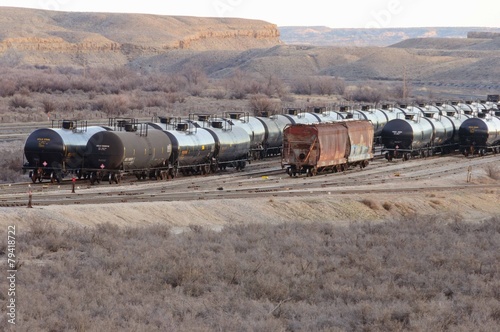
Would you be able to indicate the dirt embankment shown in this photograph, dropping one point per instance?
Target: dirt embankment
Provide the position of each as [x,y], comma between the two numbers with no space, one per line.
[473,206]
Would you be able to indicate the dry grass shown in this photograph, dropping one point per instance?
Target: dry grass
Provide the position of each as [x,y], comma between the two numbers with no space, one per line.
[411,274]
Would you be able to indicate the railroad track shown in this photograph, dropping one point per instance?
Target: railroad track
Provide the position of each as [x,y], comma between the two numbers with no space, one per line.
[260,179]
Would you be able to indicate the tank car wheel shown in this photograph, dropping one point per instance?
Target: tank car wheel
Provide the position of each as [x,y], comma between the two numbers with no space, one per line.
[172,173]
[93,178]
[32,176]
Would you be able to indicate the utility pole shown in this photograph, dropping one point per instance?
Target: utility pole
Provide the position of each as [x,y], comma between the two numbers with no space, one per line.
[405,85]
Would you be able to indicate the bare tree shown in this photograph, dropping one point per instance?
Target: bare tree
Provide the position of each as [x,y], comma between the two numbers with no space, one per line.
[194,75]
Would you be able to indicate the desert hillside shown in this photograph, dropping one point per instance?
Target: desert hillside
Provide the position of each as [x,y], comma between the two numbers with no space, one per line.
[43,37]
[452,67]
[325,36]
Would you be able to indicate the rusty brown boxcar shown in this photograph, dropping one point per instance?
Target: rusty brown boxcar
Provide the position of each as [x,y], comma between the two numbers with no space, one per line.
[326,147]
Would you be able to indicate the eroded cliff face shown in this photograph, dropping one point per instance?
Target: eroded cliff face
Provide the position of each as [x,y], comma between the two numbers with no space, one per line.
[234,39]
[58,38]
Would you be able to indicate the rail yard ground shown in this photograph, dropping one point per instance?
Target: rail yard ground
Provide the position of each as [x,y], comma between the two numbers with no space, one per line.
[396,246]
[383,191]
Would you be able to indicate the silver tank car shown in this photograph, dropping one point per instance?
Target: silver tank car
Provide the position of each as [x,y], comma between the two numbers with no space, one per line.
[324,115]
[377,117]
[273,142]
[436,108]
[453,121]
[442,131]
[193,148]
[297,116]
[452,107]
[255,129]
[480,135]
[467,108]
[144,153]
[232,143]
[53,152]
[391,112]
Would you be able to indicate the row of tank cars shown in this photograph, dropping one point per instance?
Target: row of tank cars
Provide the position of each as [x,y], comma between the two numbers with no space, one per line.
[471,128]
[203,144]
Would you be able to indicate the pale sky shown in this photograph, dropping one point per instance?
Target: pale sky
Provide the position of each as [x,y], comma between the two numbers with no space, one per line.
[333,14]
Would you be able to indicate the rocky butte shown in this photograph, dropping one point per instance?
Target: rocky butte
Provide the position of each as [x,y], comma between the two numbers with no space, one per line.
[45,37]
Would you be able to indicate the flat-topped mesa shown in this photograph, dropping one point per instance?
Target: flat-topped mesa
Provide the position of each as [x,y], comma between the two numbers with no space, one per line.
[233,39]
[483,34]
[31,32]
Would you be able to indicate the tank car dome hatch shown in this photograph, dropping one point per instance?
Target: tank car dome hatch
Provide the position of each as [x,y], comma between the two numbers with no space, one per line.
[183,126]
[68,124]
[217,124]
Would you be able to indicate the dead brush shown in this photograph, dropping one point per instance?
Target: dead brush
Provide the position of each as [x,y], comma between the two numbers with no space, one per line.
[387,206]
[370,203]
